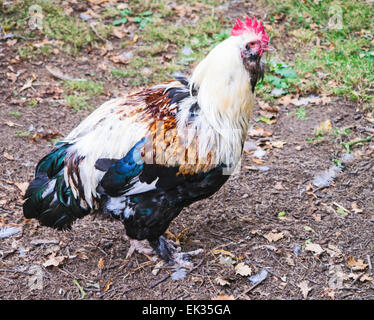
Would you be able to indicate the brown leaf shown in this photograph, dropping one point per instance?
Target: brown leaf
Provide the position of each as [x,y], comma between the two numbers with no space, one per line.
[54,261]
[356,265]
[222,296]
[324,126]
[286,100]
[108,284]
[330,293]
[278,144]
[134,39]
[28,83]
[9,123]
[97,1]
[278,186]
[12,76]
[325,99]
[266,107]
[315,248]
[8,156]
[366,277]
[303,285]
[222,282]
[123,58]
[119,32]
[243,269]
[11,42]
[225,252]
[101,263]
[259,132]
[333,251]
[274,235]
[355,208]
[257,161]
[47,136]
[289,260]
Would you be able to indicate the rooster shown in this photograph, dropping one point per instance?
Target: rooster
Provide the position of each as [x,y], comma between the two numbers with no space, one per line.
[144,157]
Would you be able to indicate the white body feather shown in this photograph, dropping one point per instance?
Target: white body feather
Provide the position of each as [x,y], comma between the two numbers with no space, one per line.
[226,103]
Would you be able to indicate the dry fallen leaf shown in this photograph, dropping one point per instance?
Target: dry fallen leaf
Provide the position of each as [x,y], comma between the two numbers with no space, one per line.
[266,107]
[123,58]
[315,248]
[54,261]
[101,263]
[303,285]
[278,186]
[356,265]
[8,156]
[278,144]
[225,252]
[330,293]
[324,126]
[119,32]
[243,269]
[46,135]
[259,132]
[97,1]
[257,161]
[12,76]
[222,282]
[134,39]
[274,235]
[289,260]
[325,99]
[22,186]
[9,123]
[108,284]
[333,251]
[366,277]
[28,83]
[355,208]
[222,296]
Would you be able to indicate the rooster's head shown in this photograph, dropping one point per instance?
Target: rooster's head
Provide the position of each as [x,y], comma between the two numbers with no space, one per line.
[253,41]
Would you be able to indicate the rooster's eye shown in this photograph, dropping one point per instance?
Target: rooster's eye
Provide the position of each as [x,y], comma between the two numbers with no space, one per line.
[250,45]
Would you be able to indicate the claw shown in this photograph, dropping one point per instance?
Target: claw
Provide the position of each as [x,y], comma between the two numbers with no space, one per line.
[171,255]
[138,246]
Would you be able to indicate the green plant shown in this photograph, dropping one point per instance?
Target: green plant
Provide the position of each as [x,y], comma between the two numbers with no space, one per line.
[301,113]
[16,114]
[77,102]
[90,87]
[278,75]
[142,18]
[331,59]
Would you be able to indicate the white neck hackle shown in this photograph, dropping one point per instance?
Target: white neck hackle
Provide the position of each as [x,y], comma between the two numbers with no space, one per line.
[225,96]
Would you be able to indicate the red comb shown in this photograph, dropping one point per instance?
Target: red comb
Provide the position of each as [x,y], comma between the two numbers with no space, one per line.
[249,25]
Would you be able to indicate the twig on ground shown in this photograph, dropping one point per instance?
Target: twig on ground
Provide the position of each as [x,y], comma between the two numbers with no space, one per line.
[253,287]
[360,128]
[165,277]
[369,262]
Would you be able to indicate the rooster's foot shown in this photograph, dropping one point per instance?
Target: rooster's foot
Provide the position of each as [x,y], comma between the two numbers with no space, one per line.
[140,247]
[173,256]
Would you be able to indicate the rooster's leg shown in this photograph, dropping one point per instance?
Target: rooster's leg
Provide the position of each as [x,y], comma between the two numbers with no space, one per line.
[171,255]
[138,246]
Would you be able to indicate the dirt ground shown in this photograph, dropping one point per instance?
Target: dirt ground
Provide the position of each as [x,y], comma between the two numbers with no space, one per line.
[314,243]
